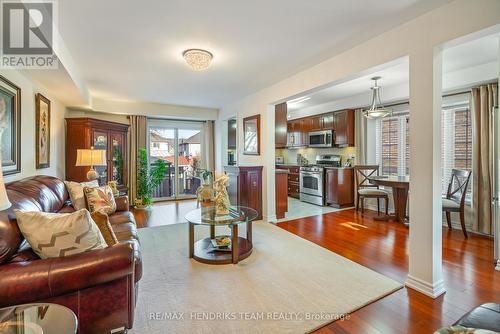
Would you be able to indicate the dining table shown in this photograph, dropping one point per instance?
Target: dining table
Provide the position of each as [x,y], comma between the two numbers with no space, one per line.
[400,186]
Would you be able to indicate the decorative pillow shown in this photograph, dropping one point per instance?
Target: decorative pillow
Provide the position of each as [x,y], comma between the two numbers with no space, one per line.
[76,195]
[101,219]
[100,199]
[60,234]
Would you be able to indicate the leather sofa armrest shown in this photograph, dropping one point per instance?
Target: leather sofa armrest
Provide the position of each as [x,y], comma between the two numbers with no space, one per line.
[24,282]
[122,203]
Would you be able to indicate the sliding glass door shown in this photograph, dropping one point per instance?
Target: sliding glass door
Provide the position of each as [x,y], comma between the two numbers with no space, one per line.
[179,144]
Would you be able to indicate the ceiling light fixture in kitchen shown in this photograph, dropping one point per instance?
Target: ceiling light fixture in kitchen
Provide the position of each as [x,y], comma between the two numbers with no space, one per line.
[198,59]
[377,109]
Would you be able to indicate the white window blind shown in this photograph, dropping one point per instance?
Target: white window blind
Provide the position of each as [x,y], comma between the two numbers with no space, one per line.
[456,143]
[392,142]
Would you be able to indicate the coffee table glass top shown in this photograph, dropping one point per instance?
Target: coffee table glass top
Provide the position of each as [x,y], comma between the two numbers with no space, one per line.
[37,319]
[207,216]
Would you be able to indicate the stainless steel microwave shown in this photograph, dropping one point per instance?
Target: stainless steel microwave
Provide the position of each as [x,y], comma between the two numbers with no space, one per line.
[321,138]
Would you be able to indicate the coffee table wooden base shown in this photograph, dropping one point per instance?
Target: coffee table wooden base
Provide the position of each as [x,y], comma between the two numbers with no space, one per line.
[204,253]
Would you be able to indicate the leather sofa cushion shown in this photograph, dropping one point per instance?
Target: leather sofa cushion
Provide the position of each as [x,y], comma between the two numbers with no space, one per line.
[121,217]
[486,316]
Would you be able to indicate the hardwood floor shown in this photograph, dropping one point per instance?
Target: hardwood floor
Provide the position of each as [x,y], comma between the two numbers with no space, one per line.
[164,213]
[468,267]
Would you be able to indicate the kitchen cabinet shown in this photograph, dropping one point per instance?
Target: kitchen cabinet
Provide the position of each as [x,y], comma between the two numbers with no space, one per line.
[231,134]
[280,125]
[84,133]
[319,122]
[343,122]
[293,180]
[339,187]
[245,187]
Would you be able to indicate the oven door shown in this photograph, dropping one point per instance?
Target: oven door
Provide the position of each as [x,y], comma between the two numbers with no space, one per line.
[321,139]
[311,183]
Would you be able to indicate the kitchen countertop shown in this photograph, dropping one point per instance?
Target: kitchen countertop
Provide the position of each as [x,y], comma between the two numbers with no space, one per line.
[341,167]
[282,171]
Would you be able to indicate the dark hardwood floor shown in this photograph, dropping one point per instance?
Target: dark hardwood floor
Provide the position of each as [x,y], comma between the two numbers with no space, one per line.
[469,272]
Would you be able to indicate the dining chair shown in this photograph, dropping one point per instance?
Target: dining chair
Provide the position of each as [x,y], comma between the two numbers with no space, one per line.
[455,196]
[365,189]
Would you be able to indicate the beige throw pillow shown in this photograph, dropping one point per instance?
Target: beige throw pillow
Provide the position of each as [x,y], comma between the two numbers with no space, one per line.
[76,194]
[102,221]
[100,199]
[60,234]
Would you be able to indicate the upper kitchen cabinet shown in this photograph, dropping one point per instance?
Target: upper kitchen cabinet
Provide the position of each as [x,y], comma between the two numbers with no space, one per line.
[280,124]
[319,122]
[343,122]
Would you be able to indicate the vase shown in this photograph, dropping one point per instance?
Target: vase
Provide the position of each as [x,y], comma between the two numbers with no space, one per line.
[205,193]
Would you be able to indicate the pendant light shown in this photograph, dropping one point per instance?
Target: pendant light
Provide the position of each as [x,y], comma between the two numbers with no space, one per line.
[377,109]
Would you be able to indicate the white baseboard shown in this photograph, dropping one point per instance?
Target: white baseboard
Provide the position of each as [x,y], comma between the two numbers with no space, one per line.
[270,219]
[432,290]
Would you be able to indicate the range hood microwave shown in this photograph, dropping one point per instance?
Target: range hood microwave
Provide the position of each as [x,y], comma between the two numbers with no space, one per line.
[321,138]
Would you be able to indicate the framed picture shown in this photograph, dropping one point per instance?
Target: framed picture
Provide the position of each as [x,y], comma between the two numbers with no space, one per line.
[10,116]
[42,133]
[251,135]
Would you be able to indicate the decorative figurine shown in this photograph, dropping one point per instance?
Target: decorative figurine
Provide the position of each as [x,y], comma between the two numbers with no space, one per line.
[222,203]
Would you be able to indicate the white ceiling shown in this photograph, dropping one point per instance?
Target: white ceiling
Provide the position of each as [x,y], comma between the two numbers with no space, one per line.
[464,56]
[131,50]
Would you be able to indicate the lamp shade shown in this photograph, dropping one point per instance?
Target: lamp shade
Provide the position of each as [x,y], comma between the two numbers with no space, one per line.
[86,157]
[4,200]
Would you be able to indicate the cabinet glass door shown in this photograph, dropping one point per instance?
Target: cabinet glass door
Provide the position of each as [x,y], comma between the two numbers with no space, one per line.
[100,142]
[118,158]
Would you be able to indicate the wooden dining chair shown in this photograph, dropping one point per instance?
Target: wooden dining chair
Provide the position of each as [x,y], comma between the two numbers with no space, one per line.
[367,190]
[455,196]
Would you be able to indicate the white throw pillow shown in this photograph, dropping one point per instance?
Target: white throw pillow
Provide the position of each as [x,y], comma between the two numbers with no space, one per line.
[76,195]
[100,199]
[60,234]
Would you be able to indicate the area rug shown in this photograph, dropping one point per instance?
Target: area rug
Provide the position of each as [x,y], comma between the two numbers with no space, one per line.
[287,285]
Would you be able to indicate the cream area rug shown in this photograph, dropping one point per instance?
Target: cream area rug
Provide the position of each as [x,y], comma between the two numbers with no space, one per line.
[287,285]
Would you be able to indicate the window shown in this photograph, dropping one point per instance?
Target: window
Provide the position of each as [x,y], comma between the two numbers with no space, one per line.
[456,143]
[393,142]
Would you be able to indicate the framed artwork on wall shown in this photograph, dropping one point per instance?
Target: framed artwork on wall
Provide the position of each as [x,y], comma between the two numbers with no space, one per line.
[251,135]
[42,132]
[10,121]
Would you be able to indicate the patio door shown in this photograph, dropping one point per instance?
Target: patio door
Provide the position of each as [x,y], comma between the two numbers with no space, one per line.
[179,144]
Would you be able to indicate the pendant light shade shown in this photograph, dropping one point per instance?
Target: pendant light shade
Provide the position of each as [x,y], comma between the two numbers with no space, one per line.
[377,109]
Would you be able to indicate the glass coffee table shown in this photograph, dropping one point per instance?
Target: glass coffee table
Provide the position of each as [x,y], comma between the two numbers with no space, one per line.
[205,250]
[37,319]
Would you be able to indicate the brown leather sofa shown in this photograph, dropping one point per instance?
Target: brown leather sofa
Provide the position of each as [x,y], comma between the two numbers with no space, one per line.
[99,286]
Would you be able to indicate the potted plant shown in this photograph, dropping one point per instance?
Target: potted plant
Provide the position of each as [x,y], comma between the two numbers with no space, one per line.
[148,178]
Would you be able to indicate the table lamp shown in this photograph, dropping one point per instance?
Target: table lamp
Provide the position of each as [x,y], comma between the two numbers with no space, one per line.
[90,158]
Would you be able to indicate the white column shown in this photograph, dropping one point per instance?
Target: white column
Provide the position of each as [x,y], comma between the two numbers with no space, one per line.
[496,217]
[268,148]
[425,254]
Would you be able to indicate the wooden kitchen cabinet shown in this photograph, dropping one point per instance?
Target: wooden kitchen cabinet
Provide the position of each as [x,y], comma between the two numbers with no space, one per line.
[281,195]
[293,179]
[319,122]
[343,122]
[339,187]
[280,125]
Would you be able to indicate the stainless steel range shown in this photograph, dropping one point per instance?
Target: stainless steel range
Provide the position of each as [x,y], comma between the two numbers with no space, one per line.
[312,178]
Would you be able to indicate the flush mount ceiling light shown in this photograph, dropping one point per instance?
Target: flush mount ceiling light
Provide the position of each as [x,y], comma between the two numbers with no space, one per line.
[377,109]
[198,59]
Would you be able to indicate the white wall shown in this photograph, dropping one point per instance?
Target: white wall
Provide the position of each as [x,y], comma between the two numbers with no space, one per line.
[159,110]
[57,133]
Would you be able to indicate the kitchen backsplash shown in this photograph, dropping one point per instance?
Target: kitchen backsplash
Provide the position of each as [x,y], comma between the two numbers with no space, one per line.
[290,155]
